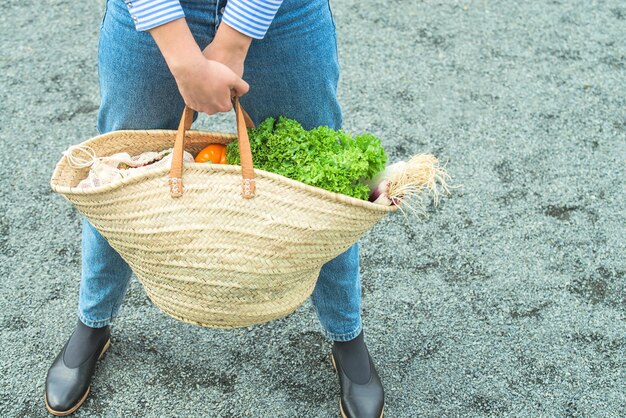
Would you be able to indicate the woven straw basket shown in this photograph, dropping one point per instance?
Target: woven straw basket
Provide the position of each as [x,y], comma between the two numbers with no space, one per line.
[216,251]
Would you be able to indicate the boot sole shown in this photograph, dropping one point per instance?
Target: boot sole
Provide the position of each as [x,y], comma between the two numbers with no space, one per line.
[83,399]
[343,414]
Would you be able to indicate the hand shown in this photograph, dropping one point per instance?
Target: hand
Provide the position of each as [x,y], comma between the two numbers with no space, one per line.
[229,47]
[206,85]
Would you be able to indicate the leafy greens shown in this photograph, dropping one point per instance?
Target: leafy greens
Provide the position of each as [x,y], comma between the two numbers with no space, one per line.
[321,157]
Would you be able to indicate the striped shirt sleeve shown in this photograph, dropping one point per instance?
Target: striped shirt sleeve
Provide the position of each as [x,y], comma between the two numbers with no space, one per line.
[148,14]
[251,17]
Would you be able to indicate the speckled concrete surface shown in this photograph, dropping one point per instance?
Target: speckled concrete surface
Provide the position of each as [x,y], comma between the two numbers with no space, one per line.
[509,300]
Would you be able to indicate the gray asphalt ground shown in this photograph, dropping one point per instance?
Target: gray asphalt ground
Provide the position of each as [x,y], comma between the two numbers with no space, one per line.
[509,300]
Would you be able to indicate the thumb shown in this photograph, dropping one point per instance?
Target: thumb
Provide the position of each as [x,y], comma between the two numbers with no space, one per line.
[240,87]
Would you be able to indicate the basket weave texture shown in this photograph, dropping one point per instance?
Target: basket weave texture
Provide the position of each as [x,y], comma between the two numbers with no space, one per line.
[211,257]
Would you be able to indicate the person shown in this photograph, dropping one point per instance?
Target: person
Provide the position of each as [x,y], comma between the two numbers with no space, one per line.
[154,57]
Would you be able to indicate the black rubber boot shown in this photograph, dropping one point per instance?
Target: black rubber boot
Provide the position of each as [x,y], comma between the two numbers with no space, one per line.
[362,394]
[69,377]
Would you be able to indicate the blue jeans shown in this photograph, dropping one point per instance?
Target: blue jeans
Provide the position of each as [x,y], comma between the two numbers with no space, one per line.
[293,72]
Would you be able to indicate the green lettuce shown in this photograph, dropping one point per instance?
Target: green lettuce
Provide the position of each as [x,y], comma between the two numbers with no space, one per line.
[321,157]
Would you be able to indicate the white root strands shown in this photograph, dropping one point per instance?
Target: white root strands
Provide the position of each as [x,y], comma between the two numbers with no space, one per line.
[422,174]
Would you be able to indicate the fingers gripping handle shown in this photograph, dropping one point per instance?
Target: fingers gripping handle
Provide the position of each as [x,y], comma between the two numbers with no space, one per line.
[247,168]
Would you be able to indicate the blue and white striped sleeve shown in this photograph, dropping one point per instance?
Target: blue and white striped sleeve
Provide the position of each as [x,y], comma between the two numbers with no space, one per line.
[148,14]
[251,17]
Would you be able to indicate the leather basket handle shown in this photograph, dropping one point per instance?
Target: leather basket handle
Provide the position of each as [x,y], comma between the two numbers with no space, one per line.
[247,168]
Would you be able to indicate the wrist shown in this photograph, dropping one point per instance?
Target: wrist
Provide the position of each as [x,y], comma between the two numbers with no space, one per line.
[177,45]
[181,62]
[231,42]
